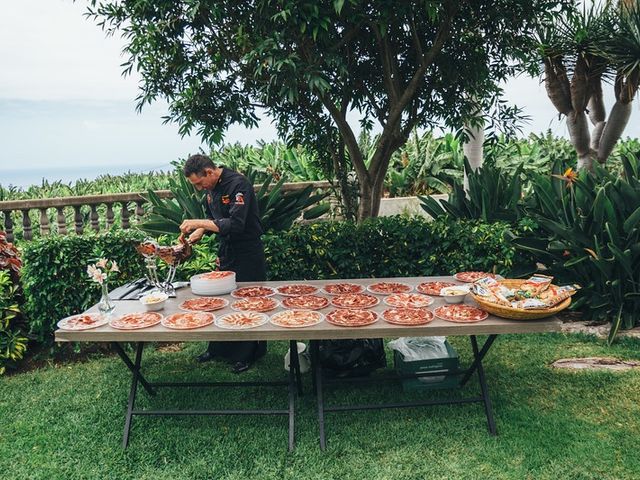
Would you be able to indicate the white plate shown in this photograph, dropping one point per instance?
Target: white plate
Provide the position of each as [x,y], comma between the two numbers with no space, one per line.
[274,318]
[220,321]
[370,290]
[233,307]
[100,321]
[224,304]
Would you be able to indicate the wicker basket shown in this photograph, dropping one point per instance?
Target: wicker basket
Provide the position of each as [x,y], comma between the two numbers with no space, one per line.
[519,313]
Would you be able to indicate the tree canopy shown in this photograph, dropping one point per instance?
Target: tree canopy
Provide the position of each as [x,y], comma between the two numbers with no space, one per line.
[401,65]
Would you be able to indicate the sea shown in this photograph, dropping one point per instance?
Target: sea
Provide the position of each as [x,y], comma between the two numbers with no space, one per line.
[23,178]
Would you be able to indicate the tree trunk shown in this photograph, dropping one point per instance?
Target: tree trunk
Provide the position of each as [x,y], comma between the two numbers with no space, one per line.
[618,119]
[473,149]
[579,133]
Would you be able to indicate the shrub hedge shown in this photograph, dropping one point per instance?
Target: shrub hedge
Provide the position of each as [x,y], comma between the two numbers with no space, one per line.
[56,283]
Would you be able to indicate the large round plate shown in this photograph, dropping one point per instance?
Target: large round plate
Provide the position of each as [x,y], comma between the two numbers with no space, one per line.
[344,317]
[470,277]
[83,321]
[204,304]
[296,290]
[255,304]
[241,320]
[136,321]
[433,288]
[306,302]
[250,292]
[215,275]
[296,318]
[388,288]
[342,288]
[408,300]
[407,316]
[452,313]
[355,300]
[188,320]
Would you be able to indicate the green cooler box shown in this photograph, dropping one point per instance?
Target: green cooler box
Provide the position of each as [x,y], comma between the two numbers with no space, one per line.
[439,365]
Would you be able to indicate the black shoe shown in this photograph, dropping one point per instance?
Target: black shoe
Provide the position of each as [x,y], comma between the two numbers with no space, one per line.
[240,367]
[205,357]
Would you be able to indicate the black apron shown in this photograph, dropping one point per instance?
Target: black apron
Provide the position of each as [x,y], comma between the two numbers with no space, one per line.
[246,259]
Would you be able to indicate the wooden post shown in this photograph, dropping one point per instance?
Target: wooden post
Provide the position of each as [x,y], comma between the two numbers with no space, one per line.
[44,222]
[27,234]
[95,224]
[62,221]
[8,225]
[139,210]
[125,215]
[110,216]
[77,218]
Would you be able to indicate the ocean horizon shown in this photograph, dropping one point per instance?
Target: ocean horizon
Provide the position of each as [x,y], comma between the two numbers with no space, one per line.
[24,178]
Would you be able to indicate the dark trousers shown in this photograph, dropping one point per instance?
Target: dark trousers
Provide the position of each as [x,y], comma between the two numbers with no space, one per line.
[247,261]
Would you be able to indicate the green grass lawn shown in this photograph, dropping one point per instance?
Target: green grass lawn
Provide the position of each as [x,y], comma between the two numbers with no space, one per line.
[65,422]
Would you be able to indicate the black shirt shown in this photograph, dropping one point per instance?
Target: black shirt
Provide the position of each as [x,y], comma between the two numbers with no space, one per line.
[233,207]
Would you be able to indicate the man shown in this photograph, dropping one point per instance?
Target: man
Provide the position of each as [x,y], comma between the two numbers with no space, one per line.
[232,209]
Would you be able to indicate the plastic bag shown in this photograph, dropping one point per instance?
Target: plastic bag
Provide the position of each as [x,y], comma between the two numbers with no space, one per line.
[420,348]
[352,358]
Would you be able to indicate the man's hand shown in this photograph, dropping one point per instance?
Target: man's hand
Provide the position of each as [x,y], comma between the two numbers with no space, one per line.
[189,226]
[196,236]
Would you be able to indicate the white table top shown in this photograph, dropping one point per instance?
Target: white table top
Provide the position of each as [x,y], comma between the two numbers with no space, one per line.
[322,331]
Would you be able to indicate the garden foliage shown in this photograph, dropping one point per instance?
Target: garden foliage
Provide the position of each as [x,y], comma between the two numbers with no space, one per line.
[589,233]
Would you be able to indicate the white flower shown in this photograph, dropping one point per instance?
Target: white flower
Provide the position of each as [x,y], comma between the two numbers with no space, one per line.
[102,263]
[114,267]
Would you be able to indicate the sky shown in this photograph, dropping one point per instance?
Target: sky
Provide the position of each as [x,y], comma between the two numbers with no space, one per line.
[67,112]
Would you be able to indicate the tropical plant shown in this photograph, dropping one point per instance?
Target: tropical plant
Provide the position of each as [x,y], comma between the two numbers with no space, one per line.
[13,342]
[589,228]
[424,165]
[278,210]
[492,195]
[580,50]
[308,64]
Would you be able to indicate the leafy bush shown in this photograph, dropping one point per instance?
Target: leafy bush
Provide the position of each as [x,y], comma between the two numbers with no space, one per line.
[493,195]
[388,247]
[55,280]
[590,235]
[13,343]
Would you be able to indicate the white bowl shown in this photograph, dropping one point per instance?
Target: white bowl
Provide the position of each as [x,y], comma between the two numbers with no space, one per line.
[154,301]
[450,297]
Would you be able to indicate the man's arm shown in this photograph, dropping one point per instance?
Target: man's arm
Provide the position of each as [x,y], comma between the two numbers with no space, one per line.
[198,228]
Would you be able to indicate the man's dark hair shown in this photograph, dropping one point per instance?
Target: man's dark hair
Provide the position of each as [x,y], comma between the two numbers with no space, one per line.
[196,164]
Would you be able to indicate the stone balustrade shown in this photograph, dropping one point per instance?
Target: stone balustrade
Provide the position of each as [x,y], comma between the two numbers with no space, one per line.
[87,211]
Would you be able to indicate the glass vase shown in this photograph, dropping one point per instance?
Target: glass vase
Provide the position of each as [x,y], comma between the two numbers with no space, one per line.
[106,305]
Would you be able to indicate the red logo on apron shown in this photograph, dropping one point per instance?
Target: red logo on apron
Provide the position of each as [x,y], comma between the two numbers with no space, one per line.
[239,199]
[225,199]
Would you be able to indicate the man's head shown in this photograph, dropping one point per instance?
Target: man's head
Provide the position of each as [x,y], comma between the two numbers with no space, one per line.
[201,172]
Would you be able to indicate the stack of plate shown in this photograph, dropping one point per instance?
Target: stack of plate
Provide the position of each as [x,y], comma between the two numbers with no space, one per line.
[213,283]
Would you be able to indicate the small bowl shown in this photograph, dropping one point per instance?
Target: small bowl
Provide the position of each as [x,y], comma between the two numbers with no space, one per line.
[154,301]
[454,294]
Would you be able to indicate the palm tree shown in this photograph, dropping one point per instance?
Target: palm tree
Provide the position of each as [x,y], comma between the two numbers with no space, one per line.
[580,51]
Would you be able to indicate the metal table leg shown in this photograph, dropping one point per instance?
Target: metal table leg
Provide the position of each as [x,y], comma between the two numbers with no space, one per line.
[137,377]
[477,358]
[135,369]
[294,378]
[317,377]
[132,393]
[483,386]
